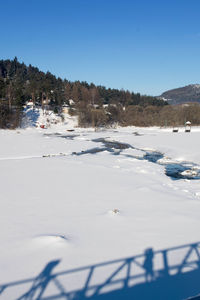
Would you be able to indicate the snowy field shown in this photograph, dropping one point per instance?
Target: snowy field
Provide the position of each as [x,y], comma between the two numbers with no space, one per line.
[75,205]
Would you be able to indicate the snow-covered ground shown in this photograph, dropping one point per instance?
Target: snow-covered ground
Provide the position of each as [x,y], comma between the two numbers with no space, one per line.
[65,208]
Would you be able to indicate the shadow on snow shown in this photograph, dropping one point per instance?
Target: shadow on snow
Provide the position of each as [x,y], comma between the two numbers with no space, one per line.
[176,277]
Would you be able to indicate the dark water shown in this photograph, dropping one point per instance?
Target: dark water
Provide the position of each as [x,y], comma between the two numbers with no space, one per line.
[90,151]
[173,170]
[69,137]
[112,144]
[52,134]
[137,134]
[64,136]
[153,156]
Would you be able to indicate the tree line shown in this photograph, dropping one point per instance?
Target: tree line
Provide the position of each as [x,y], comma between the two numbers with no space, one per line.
[94,105]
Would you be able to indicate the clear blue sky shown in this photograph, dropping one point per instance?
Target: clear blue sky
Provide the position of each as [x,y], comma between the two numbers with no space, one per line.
[145,46]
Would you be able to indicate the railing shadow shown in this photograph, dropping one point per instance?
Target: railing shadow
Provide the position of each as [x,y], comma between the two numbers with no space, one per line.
[170,274]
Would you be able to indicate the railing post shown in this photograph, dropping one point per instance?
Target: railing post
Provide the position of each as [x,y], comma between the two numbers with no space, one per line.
[165,263]
[129,261]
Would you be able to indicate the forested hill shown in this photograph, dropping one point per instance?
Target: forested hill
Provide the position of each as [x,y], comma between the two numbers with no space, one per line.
[19,83]
[186,94]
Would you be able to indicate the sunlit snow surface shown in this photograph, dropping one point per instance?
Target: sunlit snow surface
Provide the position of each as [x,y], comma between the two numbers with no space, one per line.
[66,207]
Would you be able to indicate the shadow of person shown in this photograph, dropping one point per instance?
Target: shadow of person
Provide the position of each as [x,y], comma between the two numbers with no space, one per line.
[148,265]
[41,281]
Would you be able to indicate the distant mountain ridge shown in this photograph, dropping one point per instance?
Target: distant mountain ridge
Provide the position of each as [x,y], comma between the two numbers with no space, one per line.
[189,93]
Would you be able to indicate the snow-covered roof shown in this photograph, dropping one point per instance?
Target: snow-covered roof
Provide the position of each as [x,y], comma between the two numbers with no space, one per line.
[29,103]
[71,101]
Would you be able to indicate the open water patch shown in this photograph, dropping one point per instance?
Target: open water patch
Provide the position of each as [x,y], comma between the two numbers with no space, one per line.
[175,170]
[113,147]
[52,134]
[112,144]
[182,171]
[64,136]
[153,156]
[89,151]
[137,133]
[69,137]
